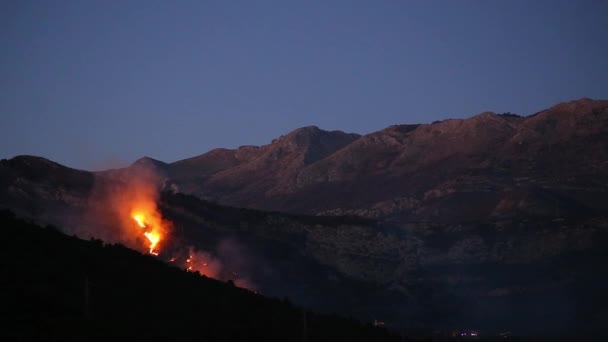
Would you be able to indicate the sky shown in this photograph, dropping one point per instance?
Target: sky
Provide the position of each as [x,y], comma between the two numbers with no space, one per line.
[98,84]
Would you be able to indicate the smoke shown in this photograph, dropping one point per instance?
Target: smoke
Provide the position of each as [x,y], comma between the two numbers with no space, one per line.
[116,198]
[230,262]
[123,208]
[238,261]
[204,263]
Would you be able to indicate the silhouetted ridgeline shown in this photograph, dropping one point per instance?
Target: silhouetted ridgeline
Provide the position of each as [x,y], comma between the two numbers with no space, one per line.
[56,287]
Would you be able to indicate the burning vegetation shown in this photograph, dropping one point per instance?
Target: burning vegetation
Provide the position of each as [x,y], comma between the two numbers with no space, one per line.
[128,213]
[141,220]
[152,231]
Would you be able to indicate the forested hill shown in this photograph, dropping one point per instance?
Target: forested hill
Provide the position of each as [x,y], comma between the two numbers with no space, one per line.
[56,287]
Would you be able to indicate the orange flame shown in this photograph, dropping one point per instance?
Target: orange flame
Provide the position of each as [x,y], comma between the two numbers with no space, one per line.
[153,225]
[154,239]
[140,220]
[135,204]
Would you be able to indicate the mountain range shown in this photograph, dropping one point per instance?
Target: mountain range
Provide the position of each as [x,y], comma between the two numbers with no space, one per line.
[497,221]
[491,165]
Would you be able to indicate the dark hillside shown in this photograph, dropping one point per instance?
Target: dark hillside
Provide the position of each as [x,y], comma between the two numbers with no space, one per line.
[61,288]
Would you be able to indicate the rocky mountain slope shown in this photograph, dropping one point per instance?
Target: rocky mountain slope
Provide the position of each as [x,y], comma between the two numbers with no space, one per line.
[549,164]
[525,274]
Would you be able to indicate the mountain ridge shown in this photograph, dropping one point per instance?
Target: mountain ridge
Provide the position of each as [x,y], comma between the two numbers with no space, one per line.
[405,172]
[400,161]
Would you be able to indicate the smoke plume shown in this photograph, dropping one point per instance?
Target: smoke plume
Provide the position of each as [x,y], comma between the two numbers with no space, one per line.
[124,208]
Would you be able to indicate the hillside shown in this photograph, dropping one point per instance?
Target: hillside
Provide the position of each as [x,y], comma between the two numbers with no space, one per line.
[530,276]
[56,287]
[548,164]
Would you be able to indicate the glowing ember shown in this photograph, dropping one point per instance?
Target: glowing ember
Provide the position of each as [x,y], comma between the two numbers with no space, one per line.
[189,261]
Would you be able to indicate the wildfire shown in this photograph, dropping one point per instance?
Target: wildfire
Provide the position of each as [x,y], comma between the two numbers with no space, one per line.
[152,226]
[193,264]
[140,220]
[189,263]
[154,239]
[143,226]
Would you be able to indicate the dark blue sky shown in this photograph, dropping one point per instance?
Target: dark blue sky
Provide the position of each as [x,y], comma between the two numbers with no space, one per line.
[94,83]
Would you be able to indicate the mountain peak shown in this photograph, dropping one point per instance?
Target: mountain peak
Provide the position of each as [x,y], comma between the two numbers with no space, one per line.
[317,142]
[485,115]
[149,164]
[315,131]
[147,161]
[35,162]
[312,135]
[311,128]
[31,159]
[584,104]
[307,131]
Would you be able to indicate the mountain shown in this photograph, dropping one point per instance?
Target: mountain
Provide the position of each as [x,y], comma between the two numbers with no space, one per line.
[36,187]
[491,165]
[250,174]
[496,222]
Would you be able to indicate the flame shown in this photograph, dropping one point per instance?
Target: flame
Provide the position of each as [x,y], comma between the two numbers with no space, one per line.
[143,226]
[154,238]
[152,225]
[140,220]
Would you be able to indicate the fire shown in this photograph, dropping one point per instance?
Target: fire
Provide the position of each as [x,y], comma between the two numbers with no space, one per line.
[142,226]
[154,239]
[140,220]
[153,228]
[196,265]
[189,263]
